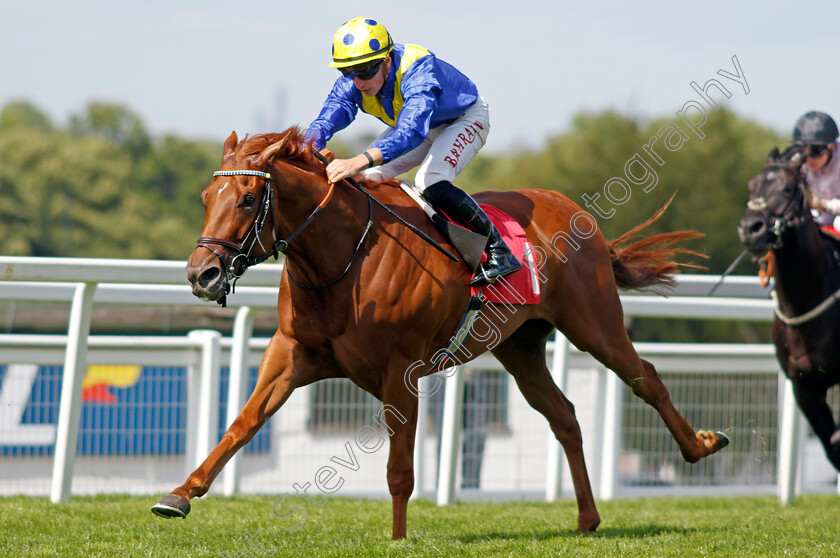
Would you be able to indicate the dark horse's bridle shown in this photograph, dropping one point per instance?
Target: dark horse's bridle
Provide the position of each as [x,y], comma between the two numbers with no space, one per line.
[784,221]
[244,259]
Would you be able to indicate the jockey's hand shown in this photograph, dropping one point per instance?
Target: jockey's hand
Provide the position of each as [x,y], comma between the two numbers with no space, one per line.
[340,169]
[816,203]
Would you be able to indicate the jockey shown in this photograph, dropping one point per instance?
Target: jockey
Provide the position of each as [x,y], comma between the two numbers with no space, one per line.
[821,170]
[436,119]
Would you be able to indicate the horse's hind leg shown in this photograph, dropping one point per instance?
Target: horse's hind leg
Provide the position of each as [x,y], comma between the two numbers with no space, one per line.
[597,327]
[523,355]
[693,445]
[276,381]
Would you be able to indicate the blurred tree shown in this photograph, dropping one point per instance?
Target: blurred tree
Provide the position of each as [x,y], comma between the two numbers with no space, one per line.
[708,176]
[104,190]
[112,123]
[65,194]
[22,114]
[172,176]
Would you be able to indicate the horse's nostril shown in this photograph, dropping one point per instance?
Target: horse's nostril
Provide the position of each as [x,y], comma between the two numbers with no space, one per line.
[757,227]
[208,277]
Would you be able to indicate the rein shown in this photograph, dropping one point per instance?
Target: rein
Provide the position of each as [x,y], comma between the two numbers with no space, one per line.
[349,264]
[807,316]
[388,210]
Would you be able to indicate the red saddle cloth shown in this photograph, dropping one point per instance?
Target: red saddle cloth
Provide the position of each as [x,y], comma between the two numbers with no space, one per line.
[831,232]
[523,286]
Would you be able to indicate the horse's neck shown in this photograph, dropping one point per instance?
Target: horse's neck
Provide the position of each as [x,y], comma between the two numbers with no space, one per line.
[326,245]
[804,267]
[297,191]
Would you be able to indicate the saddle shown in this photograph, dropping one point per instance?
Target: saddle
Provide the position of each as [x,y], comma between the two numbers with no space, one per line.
[521,287]
[832,234]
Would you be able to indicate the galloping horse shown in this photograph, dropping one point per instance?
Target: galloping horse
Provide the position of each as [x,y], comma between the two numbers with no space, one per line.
[807,272]
[369,302]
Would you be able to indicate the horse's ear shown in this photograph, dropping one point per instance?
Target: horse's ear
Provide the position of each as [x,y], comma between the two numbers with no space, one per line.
[230,145]
[270,152]
[773,155]
[794,155]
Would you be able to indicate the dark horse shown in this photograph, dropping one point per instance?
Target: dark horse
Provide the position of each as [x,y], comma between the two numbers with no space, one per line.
[369,303]
[807,272]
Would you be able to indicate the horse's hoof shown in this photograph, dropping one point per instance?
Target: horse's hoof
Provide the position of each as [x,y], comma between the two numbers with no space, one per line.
[172,506]
[723,440]
[589,524]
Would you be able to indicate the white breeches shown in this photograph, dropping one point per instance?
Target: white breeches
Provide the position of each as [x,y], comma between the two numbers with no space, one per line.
[444,153]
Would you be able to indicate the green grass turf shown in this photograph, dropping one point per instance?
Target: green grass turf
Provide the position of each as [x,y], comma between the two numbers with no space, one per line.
[655,527]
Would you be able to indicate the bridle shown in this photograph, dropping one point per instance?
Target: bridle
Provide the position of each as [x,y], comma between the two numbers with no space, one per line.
[785,221]
[244,258]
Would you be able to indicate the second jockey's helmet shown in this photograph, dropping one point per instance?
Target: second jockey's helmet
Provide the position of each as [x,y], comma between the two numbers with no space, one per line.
[359,41]
[815,128]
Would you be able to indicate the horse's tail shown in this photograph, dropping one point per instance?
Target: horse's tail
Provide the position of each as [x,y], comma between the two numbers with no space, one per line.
[649,261]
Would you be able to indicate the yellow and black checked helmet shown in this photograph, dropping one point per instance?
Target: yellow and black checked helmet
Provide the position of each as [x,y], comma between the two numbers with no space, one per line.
[358,41]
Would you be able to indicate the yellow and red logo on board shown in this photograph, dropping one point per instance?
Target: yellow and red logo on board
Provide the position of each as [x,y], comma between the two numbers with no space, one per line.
[100,377]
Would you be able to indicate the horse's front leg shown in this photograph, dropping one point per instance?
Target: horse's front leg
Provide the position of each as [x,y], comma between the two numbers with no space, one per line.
[400,414]
[811,399]
[279,374]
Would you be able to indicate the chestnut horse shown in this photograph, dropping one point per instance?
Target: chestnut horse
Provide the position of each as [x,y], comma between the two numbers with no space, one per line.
[807,274]
[369,303]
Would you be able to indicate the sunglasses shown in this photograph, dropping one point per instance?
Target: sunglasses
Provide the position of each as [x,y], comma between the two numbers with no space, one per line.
[817,150]
[363,72]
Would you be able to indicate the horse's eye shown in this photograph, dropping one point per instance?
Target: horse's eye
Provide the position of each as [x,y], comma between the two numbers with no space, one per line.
[248,200]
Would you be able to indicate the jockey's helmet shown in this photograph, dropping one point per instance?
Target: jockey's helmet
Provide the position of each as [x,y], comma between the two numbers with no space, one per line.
[815,128]
[360,41]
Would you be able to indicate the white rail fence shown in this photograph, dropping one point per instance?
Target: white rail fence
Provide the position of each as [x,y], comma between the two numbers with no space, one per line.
[298,440]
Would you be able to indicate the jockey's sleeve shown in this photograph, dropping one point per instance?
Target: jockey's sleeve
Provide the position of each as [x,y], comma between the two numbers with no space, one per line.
[338,112]
[412,127]
[435,93]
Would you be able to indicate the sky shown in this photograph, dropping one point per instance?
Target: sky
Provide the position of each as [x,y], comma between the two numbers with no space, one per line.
[201,69]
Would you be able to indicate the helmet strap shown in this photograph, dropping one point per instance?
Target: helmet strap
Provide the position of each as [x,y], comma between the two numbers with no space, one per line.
[387,62]
[830,151]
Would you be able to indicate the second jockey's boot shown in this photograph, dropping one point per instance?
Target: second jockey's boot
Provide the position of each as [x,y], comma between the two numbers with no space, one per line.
[464,210]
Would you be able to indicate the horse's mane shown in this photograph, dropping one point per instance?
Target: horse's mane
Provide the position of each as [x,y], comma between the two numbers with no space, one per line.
[788,154]
[297,148]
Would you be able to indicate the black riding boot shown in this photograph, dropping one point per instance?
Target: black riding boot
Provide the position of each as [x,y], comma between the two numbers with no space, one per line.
[464,210]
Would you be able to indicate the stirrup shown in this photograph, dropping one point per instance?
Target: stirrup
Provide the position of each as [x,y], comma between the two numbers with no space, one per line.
[508,266]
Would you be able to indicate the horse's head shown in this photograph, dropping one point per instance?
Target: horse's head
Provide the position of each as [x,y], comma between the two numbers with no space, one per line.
[239,221]
[777,201]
